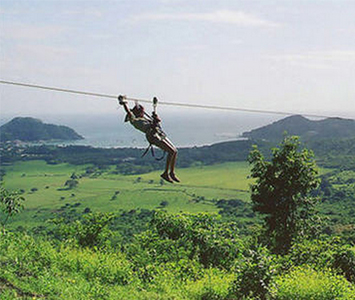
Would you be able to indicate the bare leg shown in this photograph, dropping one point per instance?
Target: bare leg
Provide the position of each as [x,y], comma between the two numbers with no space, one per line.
[169,147]
[169,160]
[173,160]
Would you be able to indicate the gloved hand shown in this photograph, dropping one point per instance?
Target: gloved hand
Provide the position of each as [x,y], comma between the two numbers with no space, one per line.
[156,117]
[122,99]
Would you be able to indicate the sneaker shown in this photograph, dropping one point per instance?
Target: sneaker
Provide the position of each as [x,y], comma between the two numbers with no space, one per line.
[173,177]
[166,177]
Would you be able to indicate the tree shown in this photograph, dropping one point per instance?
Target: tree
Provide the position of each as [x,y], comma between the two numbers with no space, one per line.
[201,236]
[10,203]
[91,231]
[71,183]
[281,191]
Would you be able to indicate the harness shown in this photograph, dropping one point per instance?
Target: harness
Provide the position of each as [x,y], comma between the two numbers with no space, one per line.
[154,130]
[153,153]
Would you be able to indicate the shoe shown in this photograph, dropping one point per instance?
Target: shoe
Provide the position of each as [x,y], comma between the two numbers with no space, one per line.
[173,177]
[166,177]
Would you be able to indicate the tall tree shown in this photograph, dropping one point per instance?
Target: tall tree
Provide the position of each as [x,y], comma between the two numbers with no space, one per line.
[281,190]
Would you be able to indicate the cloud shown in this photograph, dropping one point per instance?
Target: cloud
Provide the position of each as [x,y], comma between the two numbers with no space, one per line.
[103,36]
[9,11]
[25,58]
[318,59]
[85,12]
[45,53]
[29,32]
[220,16]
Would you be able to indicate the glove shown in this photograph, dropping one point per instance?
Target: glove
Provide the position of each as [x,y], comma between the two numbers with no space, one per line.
[156,117]
[122,100]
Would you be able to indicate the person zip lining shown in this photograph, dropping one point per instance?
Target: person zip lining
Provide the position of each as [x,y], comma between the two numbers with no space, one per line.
[150,125]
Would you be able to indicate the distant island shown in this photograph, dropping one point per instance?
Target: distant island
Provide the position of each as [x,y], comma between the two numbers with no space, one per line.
[31,130]
[330,128]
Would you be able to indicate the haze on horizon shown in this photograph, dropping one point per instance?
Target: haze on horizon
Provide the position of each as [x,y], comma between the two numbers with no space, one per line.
[296,56]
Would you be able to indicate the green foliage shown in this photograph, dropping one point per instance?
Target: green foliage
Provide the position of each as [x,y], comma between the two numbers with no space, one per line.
[71,183]
[321,254]
[202,236]
[11,204]
[281,191]
[213,285]
[35,269]
[316,253]
[108,268]
[344,261]
[91,231]
[304,283]
[168,256]
[187,242]
[255,275]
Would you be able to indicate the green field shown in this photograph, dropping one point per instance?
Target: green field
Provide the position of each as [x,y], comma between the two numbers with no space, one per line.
[45,193]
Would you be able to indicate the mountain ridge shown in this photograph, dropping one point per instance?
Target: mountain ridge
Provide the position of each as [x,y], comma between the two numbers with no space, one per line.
[29,129]
[330,128]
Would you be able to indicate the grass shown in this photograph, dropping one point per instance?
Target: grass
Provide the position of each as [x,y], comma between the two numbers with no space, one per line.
[45,192]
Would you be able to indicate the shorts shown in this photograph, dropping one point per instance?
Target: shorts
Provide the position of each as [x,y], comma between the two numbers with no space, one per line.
[155,137]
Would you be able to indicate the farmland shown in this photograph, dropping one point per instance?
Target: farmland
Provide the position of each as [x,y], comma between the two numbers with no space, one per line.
[43,186]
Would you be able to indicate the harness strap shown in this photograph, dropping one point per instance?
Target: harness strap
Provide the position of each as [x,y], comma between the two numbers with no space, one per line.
[153,153]
[154,127]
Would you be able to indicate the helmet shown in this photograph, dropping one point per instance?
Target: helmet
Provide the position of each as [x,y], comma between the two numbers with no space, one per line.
[137,110]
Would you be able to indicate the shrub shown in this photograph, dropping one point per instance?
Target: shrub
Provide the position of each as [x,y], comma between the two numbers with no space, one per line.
[344,262]
[11,203]
[107,268]
[71,183]
[255,278]
[323,254]
[91,231]
[304,283]
[316,253]
[214,285]
[201,236]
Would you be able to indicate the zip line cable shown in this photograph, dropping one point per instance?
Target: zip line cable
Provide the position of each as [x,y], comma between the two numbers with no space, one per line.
[214,107]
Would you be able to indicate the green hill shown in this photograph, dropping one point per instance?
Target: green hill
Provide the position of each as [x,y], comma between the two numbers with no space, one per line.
[330,128]
[30,130]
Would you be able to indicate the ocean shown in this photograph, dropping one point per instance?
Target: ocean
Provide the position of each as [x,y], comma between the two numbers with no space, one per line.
[187,129]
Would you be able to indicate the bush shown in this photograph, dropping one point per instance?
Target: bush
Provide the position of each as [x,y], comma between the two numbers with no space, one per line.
[344,262]
[214,285]
[201,236]
[320,254]
[11,203]
[304,283]
[316,253]
[107,268]
[255,278]
[91,231]
[34,269]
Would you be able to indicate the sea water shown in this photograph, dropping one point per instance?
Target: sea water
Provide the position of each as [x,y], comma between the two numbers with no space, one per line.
[186,129]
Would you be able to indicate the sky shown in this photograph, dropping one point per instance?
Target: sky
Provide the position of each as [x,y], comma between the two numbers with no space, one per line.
[289,55]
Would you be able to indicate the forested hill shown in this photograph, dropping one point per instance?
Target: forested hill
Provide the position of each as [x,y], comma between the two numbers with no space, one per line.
[30,129]
[330,128]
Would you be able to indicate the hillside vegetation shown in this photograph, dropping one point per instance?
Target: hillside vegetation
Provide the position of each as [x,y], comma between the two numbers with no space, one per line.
[89,232]
[169,262]
[89,223]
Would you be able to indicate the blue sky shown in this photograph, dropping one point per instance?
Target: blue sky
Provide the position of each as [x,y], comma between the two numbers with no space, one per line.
[285,55]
